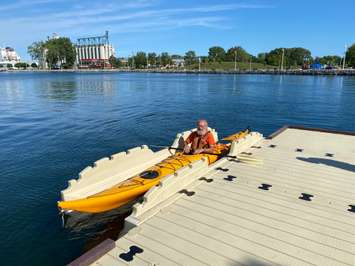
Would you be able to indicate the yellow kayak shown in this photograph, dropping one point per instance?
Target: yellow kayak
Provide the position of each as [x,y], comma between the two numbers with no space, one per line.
[136,186]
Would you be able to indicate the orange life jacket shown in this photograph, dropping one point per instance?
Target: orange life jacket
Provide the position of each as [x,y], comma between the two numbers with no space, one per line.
[200,142]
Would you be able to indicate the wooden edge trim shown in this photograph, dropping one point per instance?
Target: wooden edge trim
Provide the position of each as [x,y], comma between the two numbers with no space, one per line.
[279,131]
[94,254]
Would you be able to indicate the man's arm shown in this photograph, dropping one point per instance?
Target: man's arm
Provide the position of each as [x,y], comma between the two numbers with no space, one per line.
[210,149]
[205,150]
[187,147]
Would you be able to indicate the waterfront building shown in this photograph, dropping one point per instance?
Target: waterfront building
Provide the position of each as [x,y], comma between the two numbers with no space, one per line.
[178,62]
[8,56]
[317,66]
[123,61]
[94,52]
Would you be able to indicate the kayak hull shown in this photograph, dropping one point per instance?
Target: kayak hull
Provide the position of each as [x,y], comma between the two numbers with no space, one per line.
[134,187]
[103,203]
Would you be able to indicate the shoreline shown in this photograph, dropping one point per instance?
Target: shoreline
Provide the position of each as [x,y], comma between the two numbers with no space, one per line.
[323,72]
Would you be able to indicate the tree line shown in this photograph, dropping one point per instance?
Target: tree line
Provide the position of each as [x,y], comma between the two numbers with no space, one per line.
[60,52]
[290,58]
[143,60]
[19,65]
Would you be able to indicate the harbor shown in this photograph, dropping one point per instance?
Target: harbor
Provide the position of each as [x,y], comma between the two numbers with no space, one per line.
[56,125]
[292,206]
[174,132]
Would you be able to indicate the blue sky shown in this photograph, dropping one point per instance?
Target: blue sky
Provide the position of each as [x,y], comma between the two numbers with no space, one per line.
[176,26]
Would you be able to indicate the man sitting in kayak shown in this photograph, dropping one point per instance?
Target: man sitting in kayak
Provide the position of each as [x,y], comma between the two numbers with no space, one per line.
[201,140]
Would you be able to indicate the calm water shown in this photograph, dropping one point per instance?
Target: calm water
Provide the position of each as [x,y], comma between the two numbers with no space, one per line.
[53,125]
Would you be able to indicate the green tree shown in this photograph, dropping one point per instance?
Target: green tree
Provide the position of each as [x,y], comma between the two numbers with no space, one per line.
[36,50]
[60,52]
[165,59]
[261,58]
[273,58]
[350,56]
[152,59]
[293,57]
[297,56]
[140,60]
[131,62]
[204,59]
[190,58]
[114,61]
[216,54]
[34,65]
[332,60]
[22,65]
[176,56]
[239,53]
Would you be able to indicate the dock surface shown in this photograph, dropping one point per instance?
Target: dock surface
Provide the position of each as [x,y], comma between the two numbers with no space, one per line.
[295,208]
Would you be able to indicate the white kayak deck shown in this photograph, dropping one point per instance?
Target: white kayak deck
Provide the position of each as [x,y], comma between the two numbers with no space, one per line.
[257,214]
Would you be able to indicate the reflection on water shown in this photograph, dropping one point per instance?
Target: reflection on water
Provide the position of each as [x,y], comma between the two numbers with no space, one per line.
[53,125]
[78,222]
[10,91]
[59,90]
[95,227]
[68,90]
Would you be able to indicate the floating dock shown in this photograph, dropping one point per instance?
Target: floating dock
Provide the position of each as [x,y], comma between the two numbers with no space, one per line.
[291,203]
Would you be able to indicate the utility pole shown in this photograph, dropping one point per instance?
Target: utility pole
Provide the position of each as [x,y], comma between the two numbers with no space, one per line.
[344,58]
[282,59]
[132,60]
[199,64]
[235,59]
[250,64]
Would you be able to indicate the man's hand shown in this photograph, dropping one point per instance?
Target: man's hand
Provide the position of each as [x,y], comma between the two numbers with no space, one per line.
[198,151]
[187,149]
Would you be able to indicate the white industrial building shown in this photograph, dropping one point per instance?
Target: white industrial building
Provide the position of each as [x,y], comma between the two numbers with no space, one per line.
[94,52]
